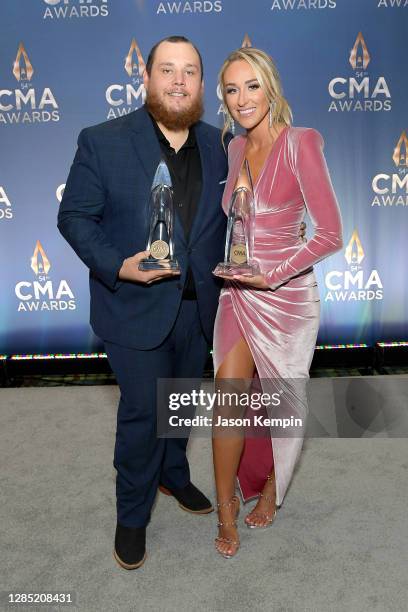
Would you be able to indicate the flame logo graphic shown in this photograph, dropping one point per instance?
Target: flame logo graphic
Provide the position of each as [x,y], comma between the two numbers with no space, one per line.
[400,157]
[39,261]
[246,42]
[134,62]
[22,68]
[359,55]
[354,253]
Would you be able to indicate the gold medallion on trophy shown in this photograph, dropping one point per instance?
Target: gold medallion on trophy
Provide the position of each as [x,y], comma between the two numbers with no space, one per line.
[238,253]
[159,249]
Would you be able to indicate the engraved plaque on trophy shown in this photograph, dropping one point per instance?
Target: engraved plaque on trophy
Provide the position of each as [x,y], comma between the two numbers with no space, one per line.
[160,243]
[239,241]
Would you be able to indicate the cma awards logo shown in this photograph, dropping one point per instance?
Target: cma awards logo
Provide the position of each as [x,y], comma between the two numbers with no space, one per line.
[193,7]
[354,283]
[125,98]
[246,42]
[360,92]
[391,189]
[42,293]
[26,104]
[6,211]
[290,5]
[71,9]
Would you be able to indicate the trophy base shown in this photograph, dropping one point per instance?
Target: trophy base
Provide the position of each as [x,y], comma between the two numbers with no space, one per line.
[146,265]
[231,269]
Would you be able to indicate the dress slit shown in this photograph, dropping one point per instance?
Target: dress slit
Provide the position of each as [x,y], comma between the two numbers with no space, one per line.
[257,456]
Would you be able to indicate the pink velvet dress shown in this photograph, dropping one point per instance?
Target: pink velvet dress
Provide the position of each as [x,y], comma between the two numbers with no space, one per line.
[280,325]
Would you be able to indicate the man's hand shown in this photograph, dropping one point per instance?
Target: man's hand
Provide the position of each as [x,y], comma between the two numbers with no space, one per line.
[130,270]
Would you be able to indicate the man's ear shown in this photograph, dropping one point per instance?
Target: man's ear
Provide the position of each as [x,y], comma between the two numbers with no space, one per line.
[145,79]
[202,87]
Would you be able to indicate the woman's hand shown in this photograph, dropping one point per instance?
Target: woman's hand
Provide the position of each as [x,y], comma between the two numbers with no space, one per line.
[256,282]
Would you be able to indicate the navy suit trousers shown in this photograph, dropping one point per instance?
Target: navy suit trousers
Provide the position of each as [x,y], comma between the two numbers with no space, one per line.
[143,460]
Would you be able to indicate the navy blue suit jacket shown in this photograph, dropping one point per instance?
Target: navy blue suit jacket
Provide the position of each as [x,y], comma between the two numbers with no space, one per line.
[104,215]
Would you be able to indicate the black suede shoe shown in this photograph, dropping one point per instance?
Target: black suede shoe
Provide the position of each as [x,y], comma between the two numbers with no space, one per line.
[130,546]
[190,499]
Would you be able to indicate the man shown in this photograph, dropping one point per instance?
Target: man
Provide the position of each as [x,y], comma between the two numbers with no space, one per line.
[154,324]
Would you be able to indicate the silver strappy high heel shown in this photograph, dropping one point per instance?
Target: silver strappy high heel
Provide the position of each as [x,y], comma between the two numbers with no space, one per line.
[266,517]
[219,539]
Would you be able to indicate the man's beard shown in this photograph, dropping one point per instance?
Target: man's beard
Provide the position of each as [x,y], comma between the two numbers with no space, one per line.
[174,120]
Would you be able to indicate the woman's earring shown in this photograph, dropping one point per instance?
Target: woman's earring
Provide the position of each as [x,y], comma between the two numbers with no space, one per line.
[229,120]
[271,111]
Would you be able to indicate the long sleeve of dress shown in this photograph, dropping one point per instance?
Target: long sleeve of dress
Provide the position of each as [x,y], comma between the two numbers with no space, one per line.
[311,171]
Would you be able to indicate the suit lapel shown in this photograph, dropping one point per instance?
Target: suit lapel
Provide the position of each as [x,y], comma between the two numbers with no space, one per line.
[204,147]
[145,143]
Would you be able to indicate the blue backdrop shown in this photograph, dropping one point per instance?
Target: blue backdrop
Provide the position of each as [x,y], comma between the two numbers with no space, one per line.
[66,64]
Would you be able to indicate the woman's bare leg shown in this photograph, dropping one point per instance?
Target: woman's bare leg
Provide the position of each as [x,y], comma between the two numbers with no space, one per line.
[237,366]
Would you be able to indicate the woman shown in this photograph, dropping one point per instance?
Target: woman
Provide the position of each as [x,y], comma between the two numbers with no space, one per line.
[267,324]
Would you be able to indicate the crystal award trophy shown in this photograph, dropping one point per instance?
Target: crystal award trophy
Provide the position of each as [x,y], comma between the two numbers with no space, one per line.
[160,242]
[239,242]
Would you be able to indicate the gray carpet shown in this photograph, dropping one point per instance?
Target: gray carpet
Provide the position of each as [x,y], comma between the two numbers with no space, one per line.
[340,541]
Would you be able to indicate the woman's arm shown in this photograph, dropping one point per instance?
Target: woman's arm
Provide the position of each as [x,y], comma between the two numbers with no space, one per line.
[314,180]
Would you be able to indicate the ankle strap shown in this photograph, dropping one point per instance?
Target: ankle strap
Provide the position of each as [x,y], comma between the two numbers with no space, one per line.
[267,497]
[228,503]
[231,524]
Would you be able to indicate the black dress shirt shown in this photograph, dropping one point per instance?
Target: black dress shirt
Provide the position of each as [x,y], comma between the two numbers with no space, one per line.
[186,175]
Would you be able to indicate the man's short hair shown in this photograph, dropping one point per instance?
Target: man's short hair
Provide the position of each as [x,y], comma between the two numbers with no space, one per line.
[172,39]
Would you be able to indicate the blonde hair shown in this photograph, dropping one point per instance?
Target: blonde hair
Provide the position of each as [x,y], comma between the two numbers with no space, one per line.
[268,77]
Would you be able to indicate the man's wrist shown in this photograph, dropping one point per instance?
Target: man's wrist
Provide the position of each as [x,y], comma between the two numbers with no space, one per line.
[119,275]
